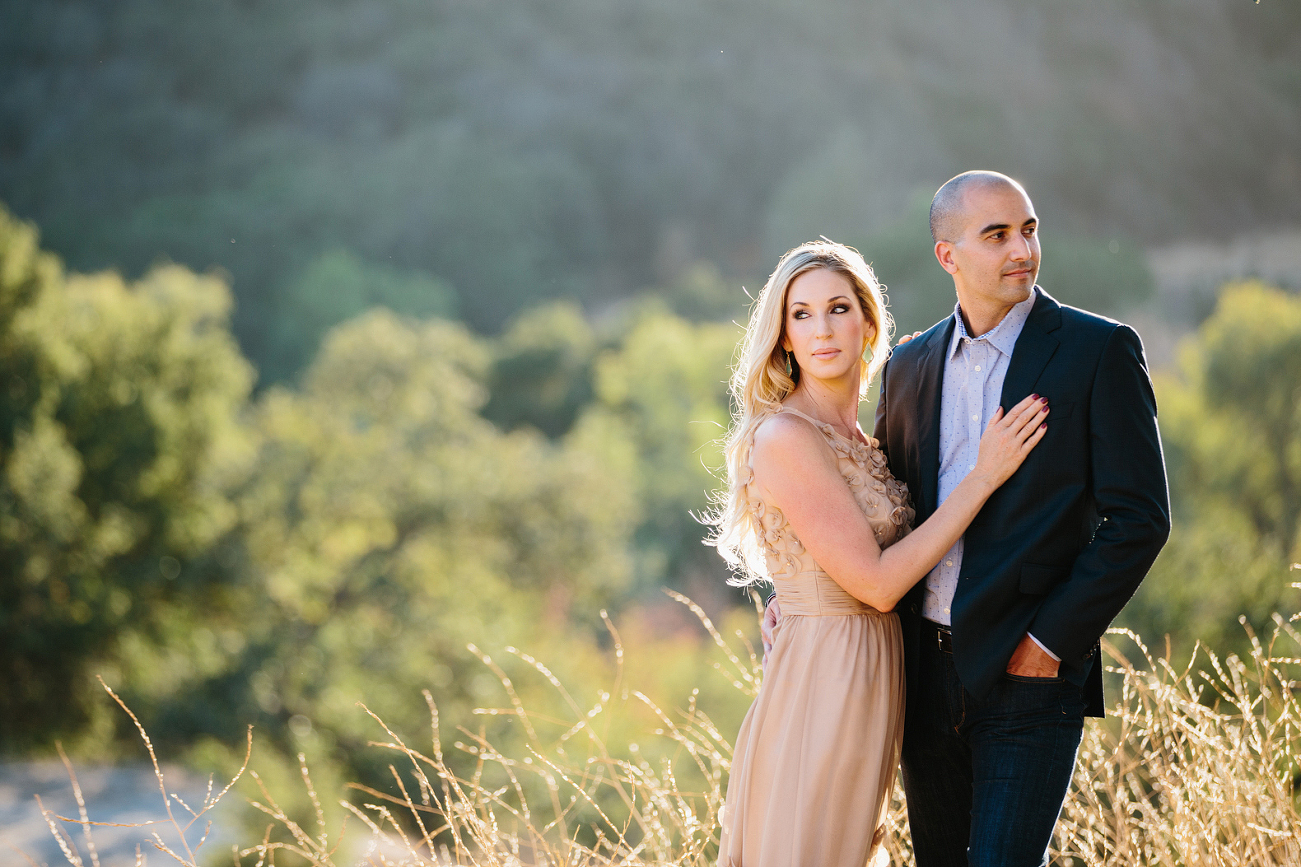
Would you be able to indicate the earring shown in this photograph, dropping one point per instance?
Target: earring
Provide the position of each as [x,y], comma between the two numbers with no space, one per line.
[790,368]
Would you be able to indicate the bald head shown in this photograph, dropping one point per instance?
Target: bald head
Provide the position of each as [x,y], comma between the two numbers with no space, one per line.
[947,208]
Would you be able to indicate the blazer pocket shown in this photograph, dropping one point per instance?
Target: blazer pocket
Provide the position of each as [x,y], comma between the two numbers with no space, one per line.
[1039,580]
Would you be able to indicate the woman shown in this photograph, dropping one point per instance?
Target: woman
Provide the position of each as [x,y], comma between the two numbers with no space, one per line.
[811,506]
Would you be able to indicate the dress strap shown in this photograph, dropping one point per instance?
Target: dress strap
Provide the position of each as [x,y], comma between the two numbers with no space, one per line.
[820,425]
[793,411]
[826,429]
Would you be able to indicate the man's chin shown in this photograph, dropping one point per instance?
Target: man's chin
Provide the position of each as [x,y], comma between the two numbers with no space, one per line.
[1019,285]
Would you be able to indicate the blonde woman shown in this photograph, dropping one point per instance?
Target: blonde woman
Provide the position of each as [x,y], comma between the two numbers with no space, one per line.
[811,506]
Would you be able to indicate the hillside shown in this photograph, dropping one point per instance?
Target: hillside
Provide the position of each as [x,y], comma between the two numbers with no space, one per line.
[479,157]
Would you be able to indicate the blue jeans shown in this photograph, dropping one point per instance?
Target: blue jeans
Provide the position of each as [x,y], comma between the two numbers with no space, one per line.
[986,779]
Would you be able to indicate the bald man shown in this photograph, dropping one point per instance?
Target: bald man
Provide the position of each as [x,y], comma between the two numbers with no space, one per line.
[1001,639]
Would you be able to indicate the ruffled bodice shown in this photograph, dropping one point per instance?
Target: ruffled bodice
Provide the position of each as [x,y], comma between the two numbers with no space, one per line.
[802,586]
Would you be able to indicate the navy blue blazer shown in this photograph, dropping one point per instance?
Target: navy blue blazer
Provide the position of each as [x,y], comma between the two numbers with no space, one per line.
[1061,547]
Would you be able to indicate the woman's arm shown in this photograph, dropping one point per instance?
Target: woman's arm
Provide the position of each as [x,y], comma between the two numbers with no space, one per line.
[798,472]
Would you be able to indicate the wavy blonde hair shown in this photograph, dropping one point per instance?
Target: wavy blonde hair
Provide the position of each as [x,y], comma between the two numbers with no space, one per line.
[760,383]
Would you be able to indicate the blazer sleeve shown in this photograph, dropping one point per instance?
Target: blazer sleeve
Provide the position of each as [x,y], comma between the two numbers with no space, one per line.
[879,425]
[1131,498]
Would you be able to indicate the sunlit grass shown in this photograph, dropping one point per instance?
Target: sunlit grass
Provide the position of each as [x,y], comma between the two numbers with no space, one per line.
[1197,766]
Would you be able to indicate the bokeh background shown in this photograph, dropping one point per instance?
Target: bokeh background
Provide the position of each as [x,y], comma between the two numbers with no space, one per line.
[338,335]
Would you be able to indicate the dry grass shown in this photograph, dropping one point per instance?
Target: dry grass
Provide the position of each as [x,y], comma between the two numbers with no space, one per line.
[1198,766]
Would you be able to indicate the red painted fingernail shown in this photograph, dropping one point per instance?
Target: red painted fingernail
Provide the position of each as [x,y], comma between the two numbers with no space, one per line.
[1035,396]
[1044,425]
[1044,400]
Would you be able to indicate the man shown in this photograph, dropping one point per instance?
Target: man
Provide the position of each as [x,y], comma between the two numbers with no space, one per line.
[1001,638]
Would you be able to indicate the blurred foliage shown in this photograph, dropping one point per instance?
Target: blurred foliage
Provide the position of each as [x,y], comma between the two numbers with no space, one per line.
[337,286]
[541,372]
[701,293]
[118,420]
[664,392]
[1231,423]
[224,561]
[1105,276]
[584,150]
[385,526]
[649,385]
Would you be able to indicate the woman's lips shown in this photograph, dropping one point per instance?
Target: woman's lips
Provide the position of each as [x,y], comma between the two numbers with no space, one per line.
[826,353]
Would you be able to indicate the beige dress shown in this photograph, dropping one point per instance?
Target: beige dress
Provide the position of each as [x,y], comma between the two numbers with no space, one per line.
[815,759]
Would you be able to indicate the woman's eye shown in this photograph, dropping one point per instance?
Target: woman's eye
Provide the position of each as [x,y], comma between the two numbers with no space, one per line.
[840,308]
[799,314]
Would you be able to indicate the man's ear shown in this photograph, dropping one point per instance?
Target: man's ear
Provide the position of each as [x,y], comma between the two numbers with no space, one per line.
[944,253]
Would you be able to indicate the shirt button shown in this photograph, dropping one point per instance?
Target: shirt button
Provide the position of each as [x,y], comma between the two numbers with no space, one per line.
[948,562]
[977,368]
[975,417]
[970,467]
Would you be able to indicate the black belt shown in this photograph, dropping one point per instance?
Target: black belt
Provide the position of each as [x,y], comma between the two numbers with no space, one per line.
[943,635]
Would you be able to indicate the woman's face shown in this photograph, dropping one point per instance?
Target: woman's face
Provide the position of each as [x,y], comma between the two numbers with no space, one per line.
[826,328]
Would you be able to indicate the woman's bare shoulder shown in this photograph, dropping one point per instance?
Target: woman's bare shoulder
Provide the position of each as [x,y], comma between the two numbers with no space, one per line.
[786,442]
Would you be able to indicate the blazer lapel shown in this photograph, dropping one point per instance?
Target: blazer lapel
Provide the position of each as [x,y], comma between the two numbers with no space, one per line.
[930,388]
[1034,348]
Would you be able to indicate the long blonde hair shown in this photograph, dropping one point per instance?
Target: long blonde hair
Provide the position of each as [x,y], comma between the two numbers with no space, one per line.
[760,382]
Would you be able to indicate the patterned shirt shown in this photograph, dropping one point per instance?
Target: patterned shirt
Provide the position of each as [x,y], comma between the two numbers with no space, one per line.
[974,370]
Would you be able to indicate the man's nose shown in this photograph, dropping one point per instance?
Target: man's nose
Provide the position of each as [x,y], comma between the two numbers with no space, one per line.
[1020,248]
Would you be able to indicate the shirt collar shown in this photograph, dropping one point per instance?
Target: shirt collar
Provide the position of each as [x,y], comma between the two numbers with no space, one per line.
[1003,335]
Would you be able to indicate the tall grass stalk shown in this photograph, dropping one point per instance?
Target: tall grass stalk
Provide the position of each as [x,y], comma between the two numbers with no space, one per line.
[1195,766]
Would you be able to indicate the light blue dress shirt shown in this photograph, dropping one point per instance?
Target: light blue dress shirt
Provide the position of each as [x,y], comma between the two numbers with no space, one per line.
[974,370]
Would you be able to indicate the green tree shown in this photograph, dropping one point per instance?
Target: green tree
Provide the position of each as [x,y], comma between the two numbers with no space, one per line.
[384,526]
[1231,424]
[119,418]
[541,371]
[337,286]
[663,390]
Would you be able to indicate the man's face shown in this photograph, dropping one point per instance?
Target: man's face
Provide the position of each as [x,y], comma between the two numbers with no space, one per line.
[994,258]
